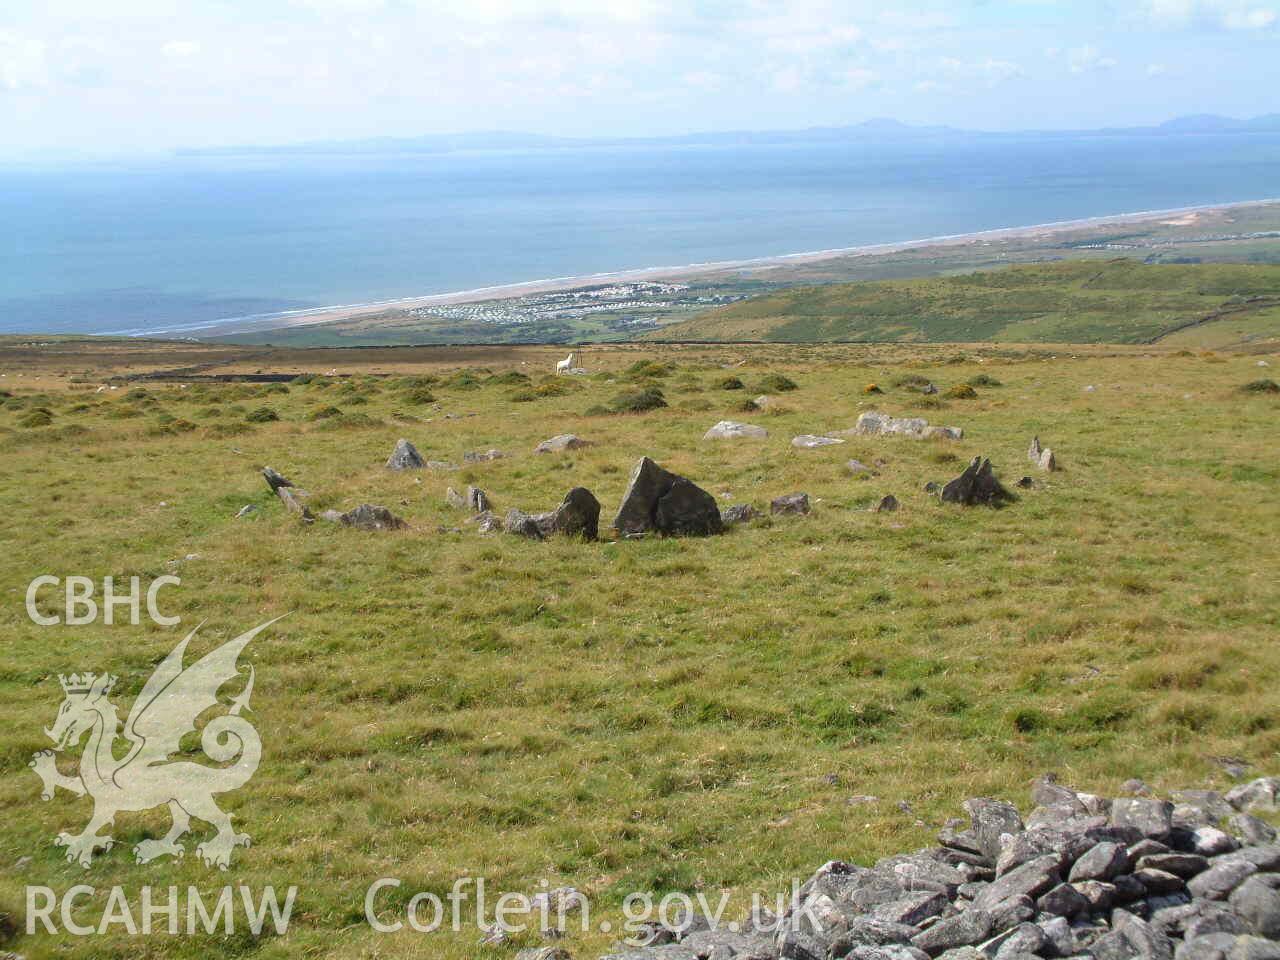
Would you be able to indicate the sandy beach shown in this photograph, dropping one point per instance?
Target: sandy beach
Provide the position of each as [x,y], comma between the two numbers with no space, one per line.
[1179,217]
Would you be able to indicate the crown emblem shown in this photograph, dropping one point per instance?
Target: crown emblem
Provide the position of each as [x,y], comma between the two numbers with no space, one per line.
[80,682]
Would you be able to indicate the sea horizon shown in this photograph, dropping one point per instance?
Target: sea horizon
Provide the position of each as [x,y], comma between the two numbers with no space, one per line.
[201,244]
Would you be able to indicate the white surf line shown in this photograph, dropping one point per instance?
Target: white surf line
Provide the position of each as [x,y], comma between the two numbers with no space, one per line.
[308,316]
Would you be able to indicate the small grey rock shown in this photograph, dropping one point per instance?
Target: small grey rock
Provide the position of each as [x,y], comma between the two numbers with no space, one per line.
[1218,881]
[965,928]
[1185,865]
[1159,881]
[1258,904]
[560,443]
[738,513]
[792,503]
[1063,900]
[1149,817]
[1101,862]
[1254,948]
[1258,794]
[370,516]
[1251,830]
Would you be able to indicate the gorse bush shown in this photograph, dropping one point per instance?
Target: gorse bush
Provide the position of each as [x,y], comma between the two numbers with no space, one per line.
[730,383]
[912,380]
[777,383]
[961,391]
[638,401]
[648,369]
[1261,386]
[261,415]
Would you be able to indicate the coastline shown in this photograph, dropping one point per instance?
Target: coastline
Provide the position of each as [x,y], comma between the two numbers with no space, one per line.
[506,291]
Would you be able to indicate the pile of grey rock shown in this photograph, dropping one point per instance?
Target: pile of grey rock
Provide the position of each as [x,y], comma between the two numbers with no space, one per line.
[1194,877]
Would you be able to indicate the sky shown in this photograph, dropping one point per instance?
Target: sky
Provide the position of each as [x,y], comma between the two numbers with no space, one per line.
[153,75]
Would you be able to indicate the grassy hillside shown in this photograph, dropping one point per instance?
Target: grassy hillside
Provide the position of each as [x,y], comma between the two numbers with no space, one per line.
[653,714]
[1117,301]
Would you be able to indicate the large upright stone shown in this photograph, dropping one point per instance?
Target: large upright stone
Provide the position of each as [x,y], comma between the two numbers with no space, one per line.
[657,499]
[405,457]
[688,510]
[275,480]
[293,504]
[577,516]
[978,484]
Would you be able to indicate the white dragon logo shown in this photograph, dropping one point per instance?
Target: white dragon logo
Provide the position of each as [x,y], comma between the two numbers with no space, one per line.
[166,710]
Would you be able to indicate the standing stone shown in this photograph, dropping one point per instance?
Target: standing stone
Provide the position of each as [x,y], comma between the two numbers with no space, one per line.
[687,510]
[405,457]
[791,503]
[454,499]
[477,500]
[1033,453]
[887,504]
[1048,463]
[978,484]
[657,499]
[275,480]
[646,486]
[248,509]
[578,514]
[293,504]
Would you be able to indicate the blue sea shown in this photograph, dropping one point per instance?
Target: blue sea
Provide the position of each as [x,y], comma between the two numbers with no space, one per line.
[172,245]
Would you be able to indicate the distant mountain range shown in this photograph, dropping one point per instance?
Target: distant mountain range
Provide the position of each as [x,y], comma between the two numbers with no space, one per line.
[879,129]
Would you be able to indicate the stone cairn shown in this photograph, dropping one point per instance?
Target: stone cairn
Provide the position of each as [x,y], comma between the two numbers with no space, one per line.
[1193,877]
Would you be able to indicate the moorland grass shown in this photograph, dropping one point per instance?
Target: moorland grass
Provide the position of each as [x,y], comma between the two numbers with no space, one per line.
[656,714]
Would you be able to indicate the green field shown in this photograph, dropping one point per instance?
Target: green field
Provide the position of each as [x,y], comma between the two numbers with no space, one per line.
[1115,301]
[657,714]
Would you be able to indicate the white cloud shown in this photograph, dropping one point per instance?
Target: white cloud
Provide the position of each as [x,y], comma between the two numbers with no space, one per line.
[180,49]
[23,64]
[991,71]
[1156,70]
[1087,58]
[1228,14]
[1258,18]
